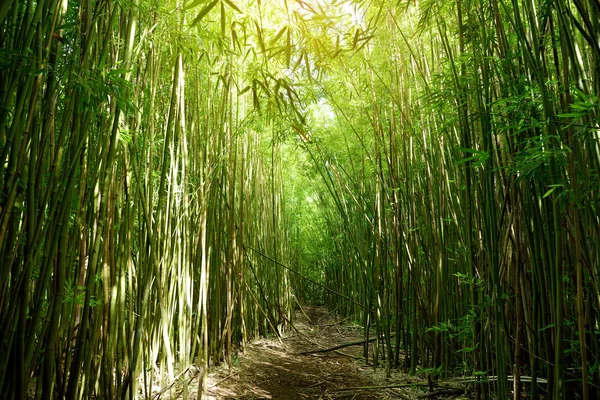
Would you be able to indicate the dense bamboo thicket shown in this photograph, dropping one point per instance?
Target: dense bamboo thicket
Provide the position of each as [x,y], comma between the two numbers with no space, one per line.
[133,173]
[165,164]
[463,169]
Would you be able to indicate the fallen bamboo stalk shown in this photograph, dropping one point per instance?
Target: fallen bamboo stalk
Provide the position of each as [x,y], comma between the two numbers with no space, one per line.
[341,346]
[442,385]
[395,386]
[509,378]
[341,353]
[443,392]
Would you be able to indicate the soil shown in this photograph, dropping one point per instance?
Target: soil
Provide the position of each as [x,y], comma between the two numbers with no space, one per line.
[280,369]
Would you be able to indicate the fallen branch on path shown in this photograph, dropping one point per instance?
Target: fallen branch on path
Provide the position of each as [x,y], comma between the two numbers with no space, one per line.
[443,392]
[337,351]
[341,353]
[221,381]
[445,387]
[396,386]
[343,345]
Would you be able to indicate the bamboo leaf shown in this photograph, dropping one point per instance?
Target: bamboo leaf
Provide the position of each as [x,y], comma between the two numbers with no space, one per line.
[260,37]
[478,155]
[193,4]
[355,39]
[204,12]
[223,20]
[553,188]
[244,90]
[279,34]
[548,193]
[232,5]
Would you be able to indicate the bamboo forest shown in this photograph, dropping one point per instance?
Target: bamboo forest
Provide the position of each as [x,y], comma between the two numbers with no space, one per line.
[183,180]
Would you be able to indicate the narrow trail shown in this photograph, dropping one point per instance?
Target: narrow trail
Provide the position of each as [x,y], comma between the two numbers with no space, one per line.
[270,369]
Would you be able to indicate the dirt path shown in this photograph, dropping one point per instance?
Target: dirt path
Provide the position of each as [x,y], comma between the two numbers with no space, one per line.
[270,369]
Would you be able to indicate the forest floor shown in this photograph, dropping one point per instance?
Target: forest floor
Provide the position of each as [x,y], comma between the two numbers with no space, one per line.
[285,369]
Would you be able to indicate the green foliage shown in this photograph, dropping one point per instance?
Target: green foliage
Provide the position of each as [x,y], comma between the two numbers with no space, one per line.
[435,162]
[431,371]
[73,293]
[478,159]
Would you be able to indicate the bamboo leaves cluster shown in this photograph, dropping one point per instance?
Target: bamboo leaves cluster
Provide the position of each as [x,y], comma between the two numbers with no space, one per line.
[130,181]
[468,214]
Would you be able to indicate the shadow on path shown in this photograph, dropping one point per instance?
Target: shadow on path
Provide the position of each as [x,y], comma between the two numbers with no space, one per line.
[270,369]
